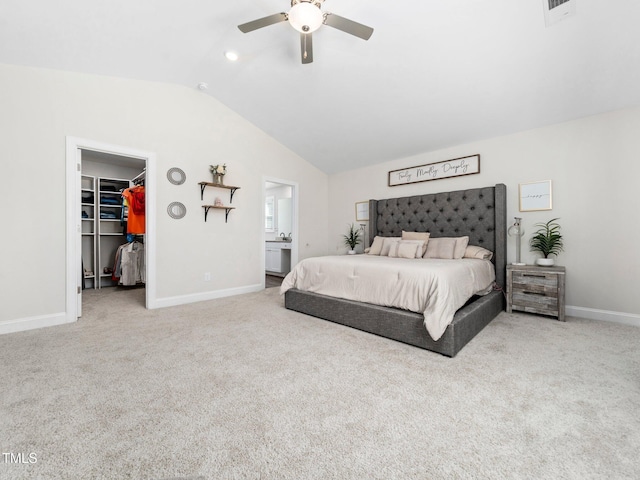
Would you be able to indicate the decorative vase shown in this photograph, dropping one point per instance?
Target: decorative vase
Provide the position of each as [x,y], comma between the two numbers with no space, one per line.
[217,178]
[545,262]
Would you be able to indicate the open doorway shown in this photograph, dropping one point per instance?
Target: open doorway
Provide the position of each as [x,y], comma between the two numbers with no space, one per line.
[280,204]
[113,233]
[97,175]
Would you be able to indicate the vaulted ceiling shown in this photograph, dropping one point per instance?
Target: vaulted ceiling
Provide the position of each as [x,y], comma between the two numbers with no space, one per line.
[434,73]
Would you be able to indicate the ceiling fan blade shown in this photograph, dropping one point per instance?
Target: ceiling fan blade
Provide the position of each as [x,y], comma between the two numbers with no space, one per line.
[348,26]
[262,22]
[306,47]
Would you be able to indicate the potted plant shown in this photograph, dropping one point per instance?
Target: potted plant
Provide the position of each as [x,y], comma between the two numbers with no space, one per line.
[547,240]
[352,239]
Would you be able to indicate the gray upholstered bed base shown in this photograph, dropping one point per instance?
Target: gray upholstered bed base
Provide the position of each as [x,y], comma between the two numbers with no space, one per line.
[401,325]
[466,212]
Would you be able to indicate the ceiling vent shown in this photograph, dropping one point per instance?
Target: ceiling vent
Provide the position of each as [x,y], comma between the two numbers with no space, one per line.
[557,10]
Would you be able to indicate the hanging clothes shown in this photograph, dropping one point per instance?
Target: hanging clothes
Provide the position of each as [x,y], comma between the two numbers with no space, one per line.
[129,266]
[135,201]
[132,263]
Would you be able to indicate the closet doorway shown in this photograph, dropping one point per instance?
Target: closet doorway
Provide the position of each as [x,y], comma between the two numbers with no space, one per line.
[101,239]
[280,226]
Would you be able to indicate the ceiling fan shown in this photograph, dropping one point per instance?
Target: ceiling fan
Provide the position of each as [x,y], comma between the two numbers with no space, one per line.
[306,16]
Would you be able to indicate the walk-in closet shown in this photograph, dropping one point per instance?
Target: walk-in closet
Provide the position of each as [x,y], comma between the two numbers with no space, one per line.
[113,222]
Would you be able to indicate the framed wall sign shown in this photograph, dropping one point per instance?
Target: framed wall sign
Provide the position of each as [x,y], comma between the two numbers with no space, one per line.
[435,171]
[535,196]
[362,211]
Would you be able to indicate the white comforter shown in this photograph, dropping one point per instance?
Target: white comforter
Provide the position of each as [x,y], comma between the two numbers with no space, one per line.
[436,288]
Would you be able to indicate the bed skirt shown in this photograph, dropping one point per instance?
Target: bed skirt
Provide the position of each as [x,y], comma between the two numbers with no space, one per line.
[401,325]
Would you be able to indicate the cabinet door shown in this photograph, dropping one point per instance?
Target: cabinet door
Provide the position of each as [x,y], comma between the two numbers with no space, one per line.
[272,260]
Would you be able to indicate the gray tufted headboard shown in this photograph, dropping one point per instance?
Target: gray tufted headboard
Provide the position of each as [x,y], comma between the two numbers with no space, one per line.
[480,213]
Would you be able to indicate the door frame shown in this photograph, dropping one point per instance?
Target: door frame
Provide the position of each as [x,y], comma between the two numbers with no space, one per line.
[294,220]
[73,288]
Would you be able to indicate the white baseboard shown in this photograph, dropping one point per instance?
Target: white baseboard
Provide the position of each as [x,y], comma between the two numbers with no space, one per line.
[201,297]
[30,323]
[604,315]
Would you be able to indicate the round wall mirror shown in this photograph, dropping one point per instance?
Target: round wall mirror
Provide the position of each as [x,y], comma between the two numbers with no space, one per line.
[176,210]
[176,176]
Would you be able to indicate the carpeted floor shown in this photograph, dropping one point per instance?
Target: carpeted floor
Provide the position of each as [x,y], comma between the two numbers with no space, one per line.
[241,388]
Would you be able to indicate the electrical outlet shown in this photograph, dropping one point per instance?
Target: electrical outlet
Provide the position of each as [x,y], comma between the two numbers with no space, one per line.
[207,276]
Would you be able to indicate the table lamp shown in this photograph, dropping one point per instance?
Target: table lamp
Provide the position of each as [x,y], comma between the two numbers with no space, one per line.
[516,230]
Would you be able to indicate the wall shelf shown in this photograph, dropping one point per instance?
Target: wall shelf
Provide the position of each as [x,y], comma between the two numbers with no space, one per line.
[204,185]
[226,211]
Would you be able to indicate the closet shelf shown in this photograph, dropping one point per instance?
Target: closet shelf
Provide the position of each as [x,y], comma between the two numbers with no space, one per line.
[225,208]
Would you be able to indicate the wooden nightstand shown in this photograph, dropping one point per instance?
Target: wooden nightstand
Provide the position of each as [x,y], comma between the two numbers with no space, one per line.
[534,289]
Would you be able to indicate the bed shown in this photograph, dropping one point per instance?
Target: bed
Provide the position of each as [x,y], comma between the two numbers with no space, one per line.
[479,213]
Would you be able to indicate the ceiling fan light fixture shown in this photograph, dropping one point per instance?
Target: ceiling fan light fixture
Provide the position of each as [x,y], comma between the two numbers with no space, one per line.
[305,17]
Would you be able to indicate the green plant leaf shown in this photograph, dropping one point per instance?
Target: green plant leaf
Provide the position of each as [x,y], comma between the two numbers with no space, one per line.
[352,238]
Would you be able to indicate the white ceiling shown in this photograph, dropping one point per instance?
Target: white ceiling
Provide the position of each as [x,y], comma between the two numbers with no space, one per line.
[434,73]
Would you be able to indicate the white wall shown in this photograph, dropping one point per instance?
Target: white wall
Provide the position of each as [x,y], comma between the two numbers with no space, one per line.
[184,128]
[593,163]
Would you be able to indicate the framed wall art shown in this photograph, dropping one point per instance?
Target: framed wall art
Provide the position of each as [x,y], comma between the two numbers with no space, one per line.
[362,211]
[535,196]
[435,171]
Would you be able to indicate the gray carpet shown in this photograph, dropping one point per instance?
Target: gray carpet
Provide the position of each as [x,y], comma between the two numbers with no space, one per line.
[242,388]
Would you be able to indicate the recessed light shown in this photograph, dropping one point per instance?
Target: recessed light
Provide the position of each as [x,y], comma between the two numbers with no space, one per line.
[202,86]
[231,56]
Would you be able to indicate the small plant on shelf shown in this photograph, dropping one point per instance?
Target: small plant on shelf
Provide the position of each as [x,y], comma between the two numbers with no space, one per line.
[547,240]
[352,238]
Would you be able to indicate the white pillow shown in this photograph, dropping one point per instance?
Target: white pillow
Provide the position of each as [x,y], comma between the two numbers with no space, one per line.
[473,251]
[424,236]
[418,243]
[386,245]
[376,246]
[406,249]
[441,247]
[461,246]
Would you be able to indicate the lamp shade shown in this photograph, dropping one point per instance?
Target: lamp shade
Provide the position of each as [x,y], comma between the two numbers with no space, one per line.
[305,17]
[516,230]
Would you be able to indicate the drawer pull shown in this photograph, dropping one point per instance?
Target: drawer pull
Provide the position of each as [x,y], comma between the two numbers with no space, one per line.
[534,293]
[532,275]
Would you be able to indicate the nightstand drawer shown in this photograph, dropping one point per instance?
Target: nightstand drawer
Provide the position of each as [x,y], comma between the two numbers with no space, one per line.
[535,302]
[538,282]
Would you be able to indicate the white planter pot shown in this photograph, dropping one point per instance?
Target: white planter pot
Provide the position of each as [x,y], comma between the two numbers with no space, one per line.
[351,252]
[545,262]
